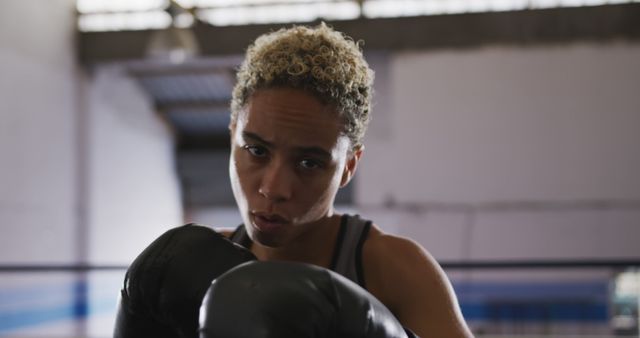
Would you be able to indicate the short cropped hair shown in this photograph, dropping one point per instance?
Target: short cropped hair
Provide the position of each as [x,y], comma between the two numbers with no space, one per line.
[319,60]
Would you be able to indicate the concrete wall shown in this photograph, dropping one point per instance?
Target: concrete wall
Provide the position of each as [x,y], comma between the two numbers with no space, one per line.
[37,133]
[506,152]
[87,174]
[510,124]
[39,158]
[134,189]
[76,142]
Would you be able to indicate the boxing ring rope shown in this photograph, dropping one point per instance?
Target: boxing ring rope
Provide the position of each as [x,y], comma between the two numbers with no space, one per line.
[81,298]
[447,265]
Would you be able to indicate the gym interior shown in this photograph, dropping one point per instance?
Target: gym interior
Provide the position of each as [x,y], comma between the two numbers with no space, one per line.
[505,139]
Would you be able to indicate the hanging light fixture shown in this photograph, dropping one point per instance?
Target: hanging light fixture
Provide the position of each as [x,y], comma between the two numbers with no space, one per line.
[177,43]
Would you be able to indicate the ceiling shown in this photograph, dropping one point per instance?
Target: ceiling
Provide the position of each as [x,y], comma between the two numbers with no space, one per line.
[192,96]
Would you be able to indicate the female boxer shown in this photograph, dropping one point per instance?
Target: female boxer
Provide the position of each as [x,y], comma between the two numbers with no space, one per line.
[299,112]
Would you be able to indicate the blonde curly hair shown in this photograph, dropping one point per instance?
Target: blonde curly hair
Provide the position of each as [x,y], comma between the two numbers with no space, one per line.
[319,60]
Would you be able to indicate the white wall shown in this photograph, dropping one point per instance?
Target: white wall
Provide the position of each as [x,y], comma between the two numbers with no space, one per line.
[75,142]
[37,133]
[510,124]
[134,189]
[86,173]
[38,157]
[508,152]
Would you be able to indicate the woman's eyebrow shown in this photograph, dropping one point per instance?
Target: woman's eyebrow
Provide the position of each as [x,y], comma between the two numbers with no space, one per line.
[311,150]
[247,135]
[314,151]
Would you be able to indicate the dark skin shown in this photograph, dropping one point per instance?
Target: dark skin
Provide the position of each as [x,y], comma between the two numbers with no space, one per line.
[288,160]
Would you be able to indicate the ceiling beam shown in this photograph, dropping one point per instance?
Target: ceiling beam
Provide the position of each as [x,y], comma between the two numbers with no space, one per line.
[527,27]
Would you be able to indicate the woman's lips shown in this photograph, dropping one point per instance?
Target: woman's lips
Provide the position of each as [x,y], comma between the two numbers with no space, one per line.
[268,223]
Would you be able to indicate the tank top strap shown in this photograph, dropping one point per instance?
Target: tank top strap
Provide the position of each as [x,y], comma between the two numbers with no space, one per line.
[347,256]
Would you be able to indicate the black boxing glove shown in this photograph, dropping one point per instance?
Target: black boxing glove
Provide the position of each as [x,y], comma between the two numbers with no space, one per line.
[165,284]
[292,300]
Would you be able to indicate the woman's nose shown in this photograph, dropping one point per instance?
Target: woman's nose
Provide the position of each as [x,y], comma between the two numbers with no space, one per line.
[276,184]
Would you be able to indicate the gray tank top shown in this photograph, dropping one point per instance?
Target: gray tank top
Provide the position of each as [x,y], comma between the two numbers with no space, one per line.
[347,252]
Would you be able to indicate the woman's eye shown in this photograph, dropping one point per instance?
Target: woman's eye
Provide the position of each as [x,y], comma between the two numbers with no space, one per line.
[256,151]
[310,164]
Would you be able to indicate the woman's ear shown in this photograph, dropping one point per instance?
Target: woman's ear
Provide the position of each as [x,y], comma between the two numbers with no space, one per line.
[351,165]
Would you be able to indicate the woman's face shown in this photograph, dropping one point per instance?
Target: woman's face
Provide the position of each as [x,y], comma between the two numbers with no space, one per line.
[288,160]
